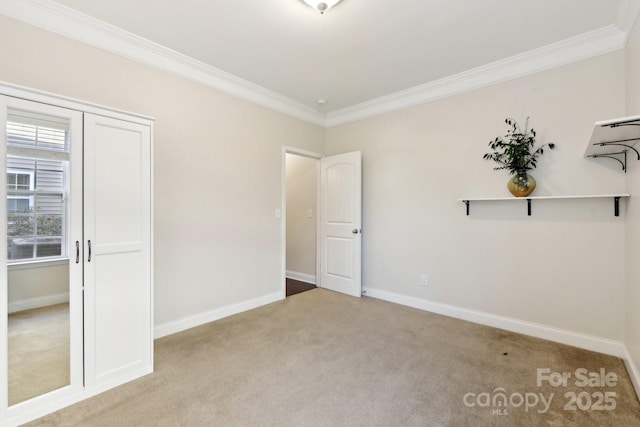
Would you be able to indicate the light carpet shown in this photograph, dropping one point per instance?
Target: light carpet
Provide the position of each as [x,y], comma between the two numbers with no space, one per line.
[38,351]
[324,359]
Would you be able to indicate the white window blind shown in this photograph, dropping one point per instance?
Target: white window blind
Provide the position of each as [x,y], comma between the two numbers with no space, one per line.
[33,130]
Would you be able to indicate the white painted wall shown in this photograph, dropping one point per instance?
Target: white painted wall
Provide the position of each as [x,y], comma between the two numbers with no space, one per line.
[301,227]
[632,320]
[217,168]
[563,267]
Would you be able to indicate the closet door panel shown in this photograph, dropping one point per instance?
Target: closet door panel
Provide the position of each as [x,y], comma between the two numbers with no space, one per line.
[118,250]
[41,298]
[120,321]
[118,188]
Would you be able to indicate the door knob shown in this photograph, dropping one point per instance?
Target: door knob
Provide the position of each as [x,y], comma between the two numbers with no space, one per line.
[354,231]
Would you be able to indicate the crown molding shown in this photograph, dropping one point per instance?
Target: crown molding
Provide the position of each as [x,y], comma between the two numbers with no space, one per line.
[70,23]
[583,46]
[627,16]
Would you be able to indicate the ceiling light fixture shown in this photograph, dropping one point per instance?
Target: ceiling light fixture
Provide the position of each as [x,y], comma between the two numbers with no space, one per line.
[322,6]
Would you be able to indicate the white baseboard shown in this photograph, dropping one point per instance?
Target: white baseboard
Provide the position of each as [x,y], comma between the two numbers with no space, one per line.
[210,316]
[28,304]
[633,370]
[576,339]
[303,277]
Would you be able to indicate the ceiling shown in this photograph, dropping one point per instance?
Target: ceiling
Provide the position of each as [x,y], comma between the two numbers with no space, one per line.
[358,51]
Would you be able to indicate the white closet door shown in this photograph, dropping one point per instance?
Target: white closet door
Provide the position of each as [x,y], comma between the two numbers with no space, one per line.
[32,115]
[117,239]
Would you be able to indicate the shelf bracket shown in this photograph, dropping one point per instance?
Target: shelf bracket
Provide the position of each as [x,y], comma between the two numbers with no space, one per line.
[622,162]
[529,207]
[635,122]
[466,202]
[621,143]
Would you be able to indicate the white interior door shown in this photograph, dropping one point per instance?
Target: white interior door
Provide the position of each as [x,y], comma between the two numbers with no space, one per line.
[117,206]
[341,223]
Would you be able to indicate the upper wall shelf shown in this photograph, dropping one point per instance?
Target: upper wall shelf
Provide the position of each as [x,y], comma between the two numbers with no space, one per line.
[614,138]
[615,197]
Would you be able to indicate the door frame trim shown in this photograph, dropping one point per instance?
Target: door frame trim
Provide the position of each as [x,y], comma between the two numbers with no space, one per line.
[283,213]
[56,100]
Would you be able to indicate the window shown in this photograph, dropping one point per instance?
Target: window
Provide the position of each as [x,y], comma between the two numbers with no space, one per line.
[19,180]
[36,187]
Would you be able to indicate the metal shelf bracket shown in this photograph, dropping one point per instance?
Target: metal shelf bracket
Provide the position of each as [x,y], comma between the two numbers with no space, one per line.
[623,161]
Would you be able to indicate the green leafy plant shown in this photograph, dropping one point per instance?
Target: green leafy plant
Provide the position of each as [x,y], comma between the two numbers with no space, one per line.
[515,151]
[21,224]
[22,241]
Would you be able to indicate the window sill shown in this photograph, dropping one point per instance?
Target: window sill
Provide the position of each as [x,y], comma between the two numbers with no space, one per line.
[23,265]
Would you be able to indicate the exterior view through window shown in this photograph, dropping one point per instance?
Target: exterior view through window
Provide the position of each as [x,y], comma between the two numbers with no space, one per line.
[37,168]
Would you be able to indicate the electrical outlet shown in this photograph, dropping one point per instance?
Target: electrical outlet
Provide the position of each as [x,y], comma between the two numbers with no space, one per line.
[424,280]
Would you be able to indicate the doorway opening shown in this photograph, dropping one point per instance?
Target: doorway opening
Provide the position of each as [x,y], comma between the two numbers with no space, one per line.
[300,220]
[297,287]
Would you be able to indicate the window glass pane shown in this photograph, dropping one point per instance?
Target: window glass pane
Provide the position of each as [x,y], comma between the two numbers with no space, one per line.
[20,235]
[35,207]
[48,246]
[49,175]
[15,205]
[18,181]
[23,181]
[49,216]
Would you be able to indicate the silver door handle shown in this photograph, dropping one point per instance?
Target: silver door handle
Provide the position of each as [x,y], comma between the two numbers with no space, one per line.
[355,231]
[77,252]
[89,245]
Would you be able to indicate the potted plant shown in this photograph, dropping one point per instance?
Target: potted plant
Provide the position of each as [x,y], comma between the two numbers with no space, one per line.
[515,153]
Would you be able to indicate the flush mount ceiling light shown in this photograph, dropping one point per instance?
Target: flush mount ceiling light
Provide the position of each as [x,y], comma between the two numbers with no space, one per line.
[322,6]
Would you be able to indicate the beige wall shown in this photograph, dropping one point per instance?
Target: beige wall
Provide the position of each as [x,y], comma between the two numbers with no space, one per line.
[301,228]
[562,267]
[632,332]
[217,183]
[37,286]
[217,167]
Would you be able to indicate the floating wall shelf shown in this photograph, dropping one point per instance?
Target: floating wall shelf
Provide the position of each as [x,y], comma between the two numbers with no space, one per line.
[613,139]
[616,200]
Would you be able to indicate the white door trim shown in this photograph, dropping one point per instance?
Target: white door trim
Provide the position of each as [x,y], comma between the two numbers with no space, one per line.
[283,213]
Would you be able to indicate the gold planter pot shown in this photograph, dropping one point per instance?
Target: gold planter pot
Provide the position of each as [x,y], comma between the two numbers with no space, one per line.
[521,184]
